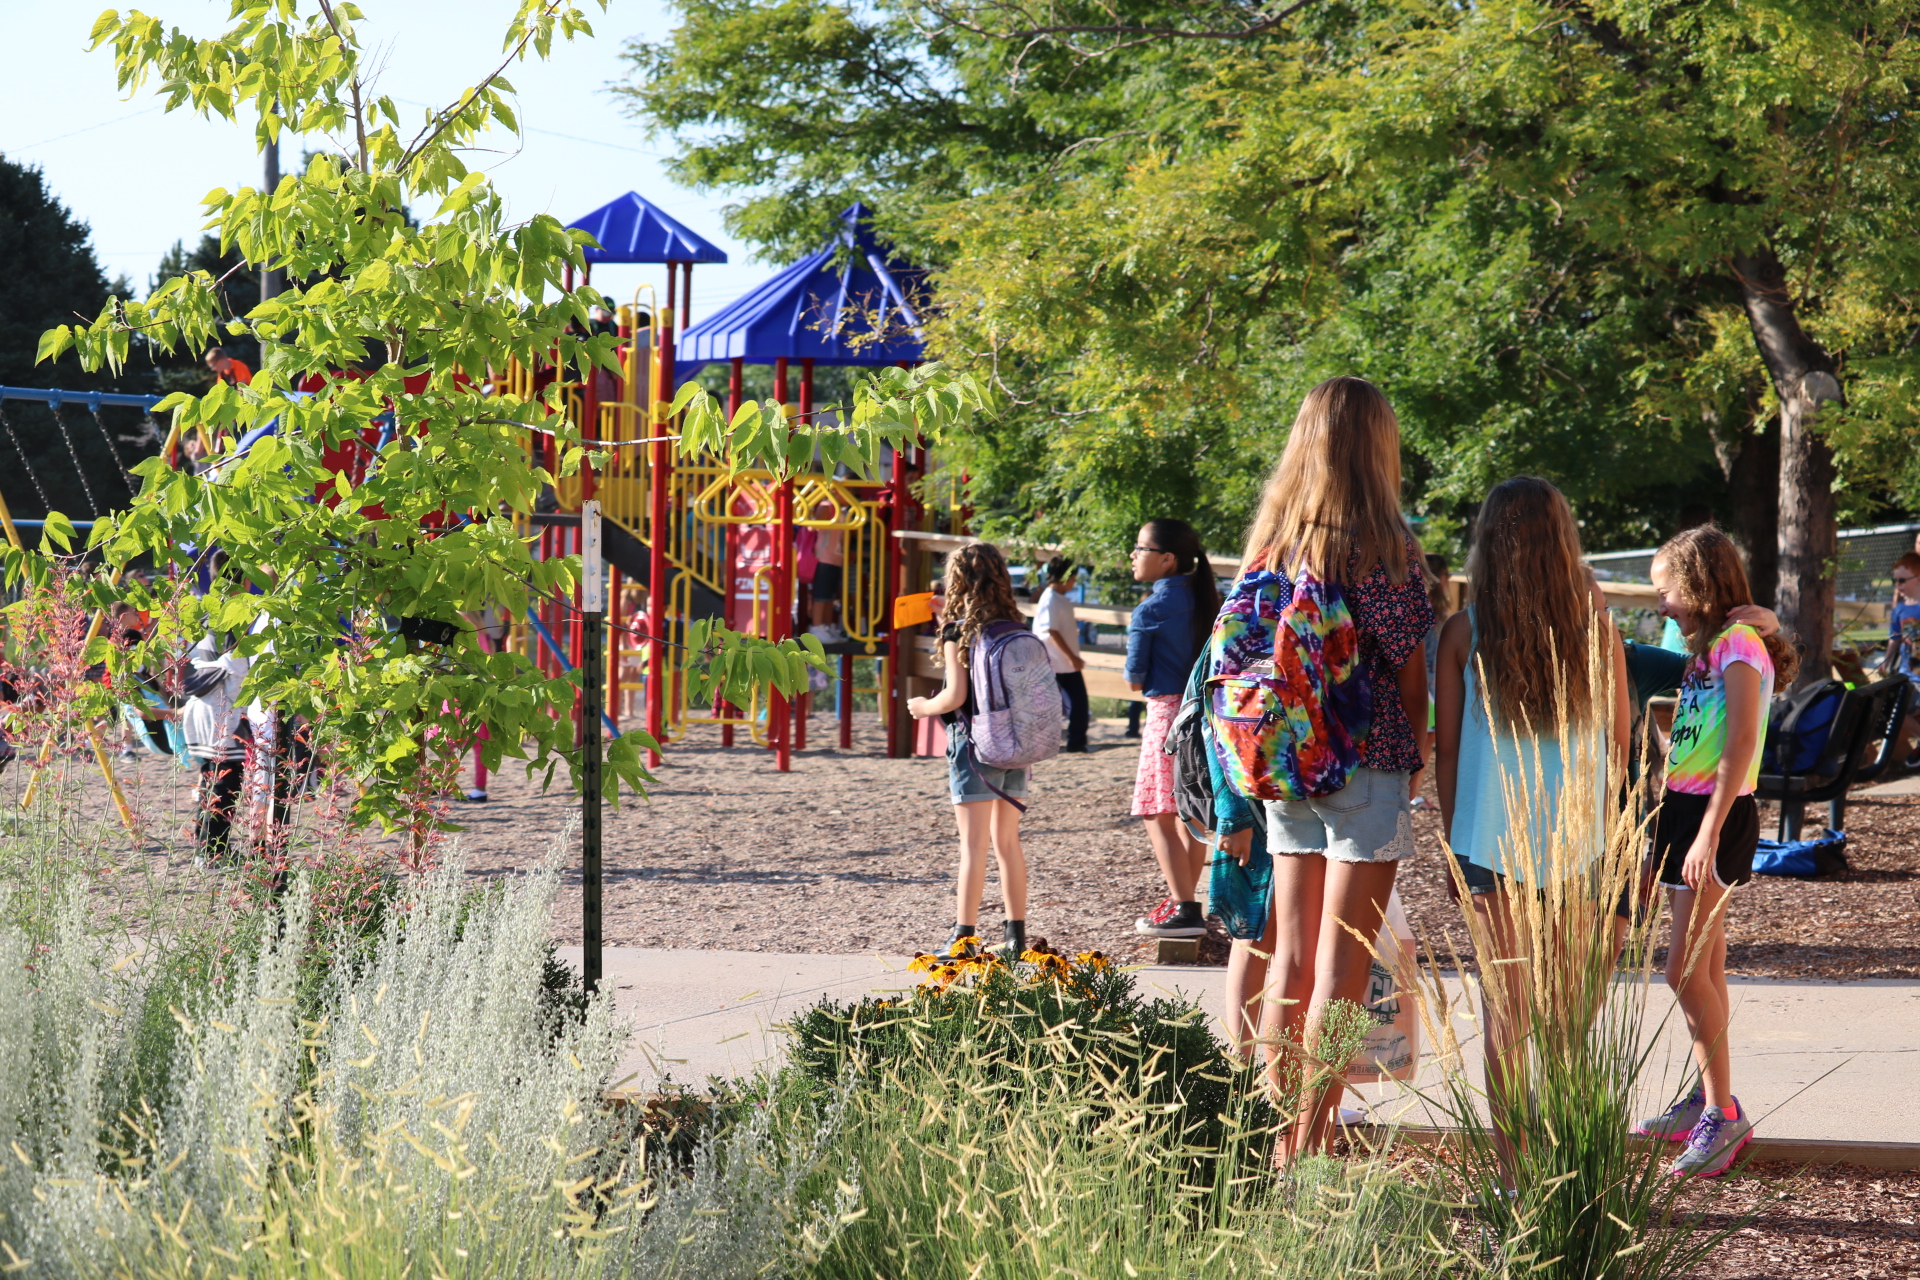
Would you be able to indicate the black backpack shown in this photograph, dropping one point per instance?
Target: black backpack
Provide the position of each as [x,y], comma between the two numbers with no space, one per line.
[1799,727]
[1187,744]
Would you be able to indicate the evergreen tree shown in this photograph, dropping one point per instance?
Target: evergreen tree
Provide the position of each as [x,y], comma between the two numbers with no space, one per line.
[51,276]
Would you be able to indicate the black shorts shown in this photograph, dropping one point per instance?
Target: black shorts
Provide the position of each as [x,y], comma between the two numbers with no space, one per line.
[826,582]
[1678,821]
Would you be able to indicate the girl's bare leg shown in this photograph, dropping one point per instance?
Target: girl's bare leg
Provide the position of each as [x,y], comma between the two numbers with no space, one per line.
[1013,861]
[1699,983]
[1355,894]
[1292,940]
[1180,856]
[975,821]
[1506,1017]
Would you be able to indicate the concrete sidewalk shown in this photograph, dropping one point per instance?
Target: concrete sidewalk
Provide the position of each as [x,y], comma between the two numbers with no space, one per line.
[1815,1060]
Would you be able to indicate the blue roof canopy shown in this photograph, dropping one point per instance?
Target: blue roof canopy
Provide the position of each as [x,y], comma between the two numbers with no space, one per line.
[848,304]
[631,230]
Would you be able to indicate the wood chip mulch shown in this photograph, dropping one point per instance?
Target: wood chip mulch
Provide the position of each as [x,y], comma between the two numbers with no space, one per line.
[1834,1223]
[854,852]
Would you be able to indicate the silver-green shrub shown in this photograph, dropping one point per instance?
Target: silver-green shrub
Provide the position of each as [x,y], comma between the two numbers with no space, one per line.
[433,1119]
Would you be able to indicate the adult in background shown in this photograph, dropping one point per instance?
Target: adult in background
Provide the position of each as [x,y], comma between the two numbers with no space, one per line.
[1164,637]
[1053,622]
[1332,508]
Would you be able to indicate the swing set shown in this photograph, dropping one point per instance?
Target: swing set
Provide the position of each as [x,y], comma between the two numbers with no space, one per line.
[56,402]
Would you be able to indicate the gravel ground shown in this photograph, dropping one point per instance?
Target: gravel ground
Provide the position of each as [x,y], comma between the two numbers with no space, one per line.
[852,851]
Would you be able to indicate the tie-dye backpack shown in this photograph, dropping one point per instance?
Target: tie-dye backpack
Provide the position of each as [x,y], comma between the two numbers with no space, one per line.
[1287,695]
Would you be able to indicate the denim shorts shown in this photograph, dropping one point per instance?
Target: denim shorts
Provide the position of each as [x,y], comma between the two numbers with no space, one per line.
[967,778]
[1368,820]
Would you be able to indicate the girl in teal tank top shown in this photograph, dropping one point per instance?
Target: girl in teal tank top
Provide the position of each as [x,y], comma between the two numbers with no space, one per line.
[1495,763]
[1509,666]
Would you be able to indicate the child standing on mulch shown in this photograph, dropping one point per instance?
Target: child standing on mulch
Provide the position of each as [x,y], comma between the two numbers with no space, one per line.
[1708,826]
[979,593]
[1164,636]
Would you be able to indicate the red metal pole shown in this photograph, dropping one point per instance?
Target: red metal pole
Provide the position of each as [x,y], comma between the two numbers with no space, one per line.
[778,715]
[616,641]
[736,395]
[658,516]
[803,705]
[576,634]
[686,295]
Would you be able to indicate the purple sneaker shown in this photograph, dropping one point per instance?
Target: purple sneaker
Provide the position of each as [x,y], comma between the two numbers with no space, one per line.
[1714,1144]
[1677,1121]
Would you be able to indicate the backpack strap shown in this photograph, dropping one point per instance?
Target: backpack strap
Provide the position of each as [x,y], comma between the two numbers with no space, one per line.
[977,770]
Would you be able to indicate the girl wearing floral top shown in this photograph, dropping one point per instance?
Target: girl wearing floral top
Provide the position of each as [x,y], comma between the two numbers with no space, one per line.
[1708,826]
[1332,507]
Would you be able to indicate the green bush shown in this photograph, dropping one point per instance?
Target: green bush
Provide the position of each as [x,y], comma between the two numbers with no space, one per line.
[992,1165]
[1080,1021]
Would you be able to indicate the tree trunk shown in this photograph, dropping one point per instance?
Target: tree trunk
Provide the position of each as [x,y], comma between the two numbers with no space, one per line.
[1803,379]
[1750,461]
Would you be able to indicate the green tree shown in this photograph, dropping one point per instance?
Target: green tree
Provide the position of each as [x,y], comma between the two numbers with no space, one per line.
[1630,245]
[1758,156]
[443,300]
[238,293]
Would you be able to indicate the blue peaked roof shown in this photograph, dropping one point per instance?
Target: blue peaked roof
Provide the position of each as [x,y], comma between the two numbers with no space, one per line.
[631,230]
[848,304]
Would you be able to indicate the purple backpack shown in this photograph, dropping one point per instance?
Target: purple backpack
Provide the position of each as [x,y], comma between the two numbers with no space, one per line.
[1016,701]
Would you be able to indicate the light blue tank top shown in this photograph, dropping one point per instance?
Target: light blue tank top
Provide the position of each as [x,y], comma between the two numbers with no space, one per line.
[1492,764]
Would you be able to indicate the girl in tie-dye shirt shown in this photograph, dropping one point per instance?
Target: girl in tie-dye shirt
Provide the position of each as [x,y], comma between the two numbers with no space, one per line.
[1708,826]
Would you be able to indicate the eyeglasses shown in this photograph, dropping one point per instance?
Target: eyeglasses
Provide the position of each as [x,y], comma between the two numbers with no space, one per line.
[1896,582]
[1139,550]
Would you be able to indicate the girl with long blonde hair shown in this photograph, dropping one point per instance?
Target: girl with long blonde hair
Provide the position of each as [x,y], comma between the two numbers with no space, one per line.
[1332,509]
[978,594]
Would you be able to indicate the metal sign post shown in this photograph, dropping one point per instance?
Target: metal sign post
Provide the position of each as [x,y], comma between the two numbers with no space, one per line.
[593,686]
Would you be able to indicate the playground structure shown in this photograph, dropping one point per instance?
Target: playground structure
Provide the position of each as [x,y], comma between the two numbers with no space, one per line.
[728,546]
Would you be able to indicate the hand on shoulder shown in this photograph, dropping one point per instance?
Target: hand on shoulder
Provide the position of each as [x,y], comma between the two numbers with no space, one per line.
[1759,617]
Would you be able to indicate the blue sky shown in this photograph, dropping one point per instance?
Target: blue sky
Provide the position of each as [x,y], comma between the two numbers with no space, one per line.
[136,173]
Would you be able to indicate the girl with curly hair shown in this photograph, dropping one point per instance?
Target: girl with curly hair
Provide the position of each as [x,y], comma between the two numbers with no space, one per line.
[979,593]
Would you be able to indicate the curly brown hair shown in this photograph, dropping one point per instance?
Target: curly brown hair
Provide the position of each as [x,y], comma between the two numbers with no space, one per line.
[1711,581]
[979,593]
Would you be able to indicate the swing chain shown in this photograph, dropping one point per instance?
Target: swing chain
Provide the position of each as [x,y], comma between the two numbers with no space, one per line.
[93,506]
[113,447]
[25,463]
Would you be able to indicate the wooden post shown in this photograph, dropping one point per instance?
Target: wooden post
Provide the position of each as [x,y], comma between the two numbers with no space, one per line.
[593,678]
[846,701]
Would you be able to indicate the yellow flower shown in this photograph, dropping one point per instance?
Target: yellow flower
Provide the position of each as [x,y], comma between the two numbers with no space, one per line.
[921,962]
